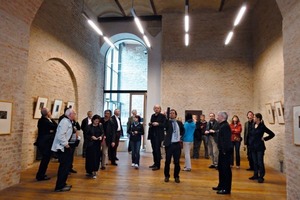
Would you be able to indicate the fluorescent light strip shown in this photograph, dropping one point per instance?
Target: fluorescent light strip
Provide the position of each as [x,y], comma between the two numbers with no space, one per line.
[240,15]
[186,39]
[96,28]
[228,38]
[147,41]
[109,42]
[137,21]
[186,23]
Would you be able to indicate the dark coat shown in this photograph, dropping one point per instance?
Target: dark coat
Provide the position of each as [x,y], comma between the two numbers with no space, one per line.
[46,133]
[136,137]
[224,138]
[169,131]
[96,131]
[84,125]
[255,137]
[109,131]
[214,126]
[116,124]
[157,131]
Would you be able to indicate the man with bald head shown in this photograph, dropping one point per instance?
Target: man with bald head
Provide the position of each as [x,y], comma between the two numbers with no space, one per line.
[62,148]
[46,132]
[156,135]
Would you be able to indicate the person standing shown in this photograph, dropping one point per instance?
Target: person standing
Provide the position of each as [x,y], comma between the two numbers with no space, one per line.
[109,138]
[62,148]
[94,135]
[136,130]
[156,135]
[119,132]
[212,134]
[225,149]
[249,125]
[174,131]
[188,138]
[199,137]
[129,122]
[236,129]
[257,147]
[46,132]
[84,124]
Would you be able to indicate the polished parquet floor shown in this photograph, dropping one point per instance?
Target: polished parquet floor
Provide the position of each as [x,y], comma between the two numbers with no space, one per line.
[124,182]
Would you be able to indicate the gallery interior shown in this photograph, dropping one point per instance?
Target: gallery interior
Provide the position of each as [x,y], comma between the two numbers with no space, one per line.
[52,57]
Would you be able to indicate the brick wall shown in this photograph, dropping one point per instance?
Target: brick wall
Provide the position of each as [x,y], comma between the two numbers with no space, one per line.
[207,75]
[71,73]
[291,54]
[268,73]
[15,19]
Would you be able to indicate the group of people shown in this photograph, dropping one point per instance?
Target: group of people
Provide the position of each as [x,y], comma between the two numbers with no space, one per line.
[101,139]
[222,139]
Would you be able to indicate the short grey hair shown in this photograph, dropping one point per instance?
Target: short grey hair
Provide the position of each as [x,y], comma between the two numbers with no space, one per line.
[223,114]
[44,112]
[68,112]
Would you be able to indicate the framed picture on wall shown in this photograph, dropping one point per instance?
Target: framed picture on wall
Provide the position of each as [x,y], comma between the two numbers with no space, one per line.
[296,124]
[40,104]
[70,104]
[56,108]
[279,112]
[270,115]
[5,117]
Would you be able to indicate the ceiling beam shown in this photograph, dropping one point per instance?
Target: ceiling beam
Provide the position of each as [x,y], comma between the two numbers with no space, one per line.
[127,18]
[120,7]
[153,7]
[221,5]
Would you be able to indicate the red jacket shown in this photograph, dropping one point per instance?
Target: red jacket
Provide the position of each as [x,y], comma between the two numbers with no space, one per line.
[235,131]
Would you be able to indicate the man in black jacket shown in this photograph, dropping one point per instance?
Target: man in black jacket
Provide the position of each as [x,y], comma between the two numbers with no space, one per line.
[119,132]
[225,148]
[174,130]
[156,135]
[46,132]
[84,124]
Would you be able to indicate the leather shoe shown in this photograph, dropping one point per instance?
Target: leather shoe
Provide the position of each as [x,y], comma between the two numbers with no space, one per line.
[73,171]
[216,188]
[167,179]
[249,169]
[253,178]
[103,168]
[115,164]
[260,180]
[117,158]
[177,180]
[46,178]
[152,166]
[155,168]
[223,192]
[64,189]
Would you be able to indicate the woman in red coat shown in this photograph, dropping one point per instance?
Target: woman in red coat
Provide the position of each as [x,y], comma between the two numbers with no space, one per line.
[236,129]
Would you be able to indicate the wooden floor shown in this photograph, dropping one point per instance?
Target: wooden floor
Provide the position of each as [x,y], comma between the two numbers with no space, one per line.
[124,182]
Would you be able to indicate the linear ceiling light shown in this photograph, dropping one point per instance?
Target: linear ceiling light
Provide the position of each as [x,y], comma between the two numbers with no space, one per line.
[186,39]
[240,15]
[186,23]
[228,38]
[147,41]
[137,21]
[98,30]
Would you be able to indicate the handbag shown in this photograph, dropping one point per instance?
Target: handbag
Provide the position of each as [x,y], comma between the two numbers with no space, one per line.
[237,139]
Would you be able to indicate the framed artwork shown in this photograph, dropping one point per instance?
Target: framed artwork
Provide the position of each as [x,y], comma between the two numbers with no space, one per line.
[70,104]
[270,115]
[41,103]
[56,108]
[279,112]
[296,124]
[5,117]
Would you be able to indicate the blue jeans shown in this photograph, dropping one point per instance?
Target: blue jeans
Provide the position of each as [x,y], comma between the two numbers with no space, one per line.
[135,151]
[258,161]
[236,147]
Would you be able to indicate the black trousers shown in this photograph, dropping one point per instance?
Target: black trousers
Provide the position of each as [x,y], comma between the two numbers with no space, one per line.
[174,150]
[225,174]
[92,159]
[250,159]
[46,156]
[156,143]
[64,159]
